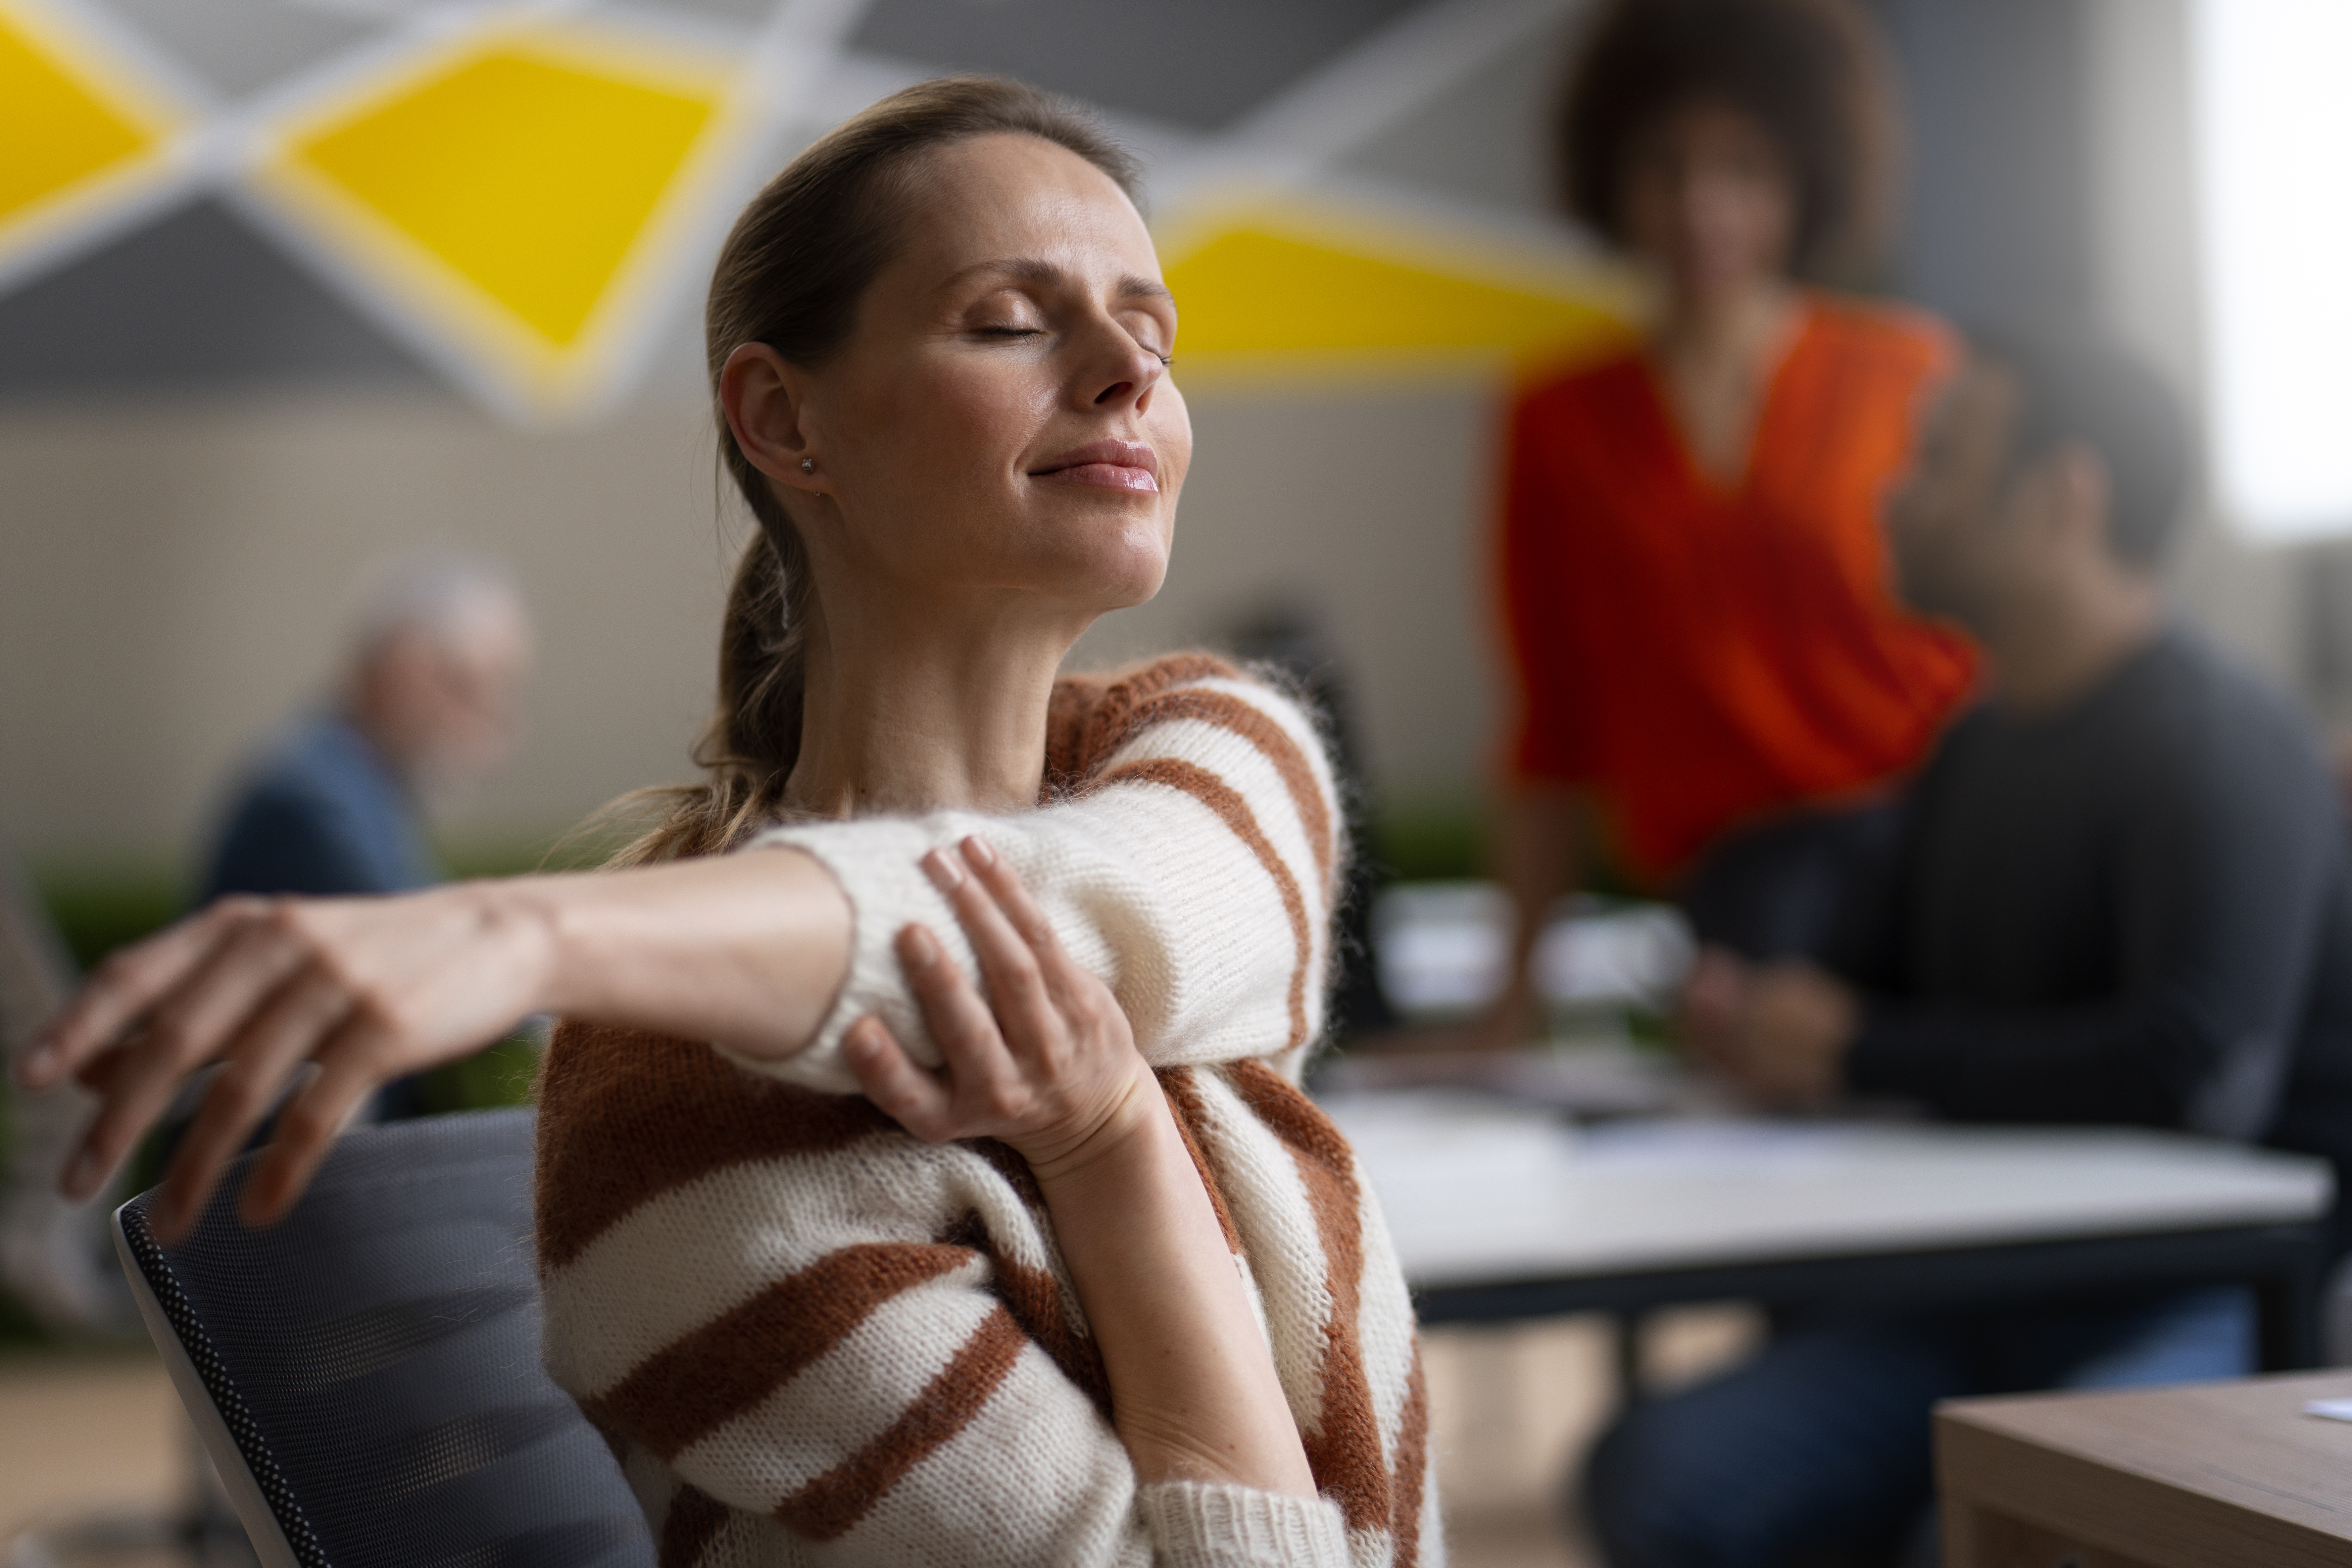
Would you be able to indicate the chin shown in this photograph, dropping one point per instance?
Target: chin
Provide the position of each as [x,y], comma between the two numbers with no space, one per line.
[1112,568]
[1133,582]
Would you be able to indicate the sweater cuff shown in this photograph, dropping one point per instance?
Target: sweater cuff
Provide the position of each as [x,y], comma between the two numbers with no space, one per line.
[880,872]
[1193,1524]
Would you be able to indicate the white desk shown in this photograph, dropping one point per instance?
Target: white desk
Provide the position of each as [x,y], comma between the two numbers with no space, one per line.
[1501,1211]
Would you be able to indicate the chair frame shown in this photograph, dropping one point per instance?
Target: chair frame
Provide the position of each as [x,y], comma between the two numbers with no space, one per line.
[248,1472]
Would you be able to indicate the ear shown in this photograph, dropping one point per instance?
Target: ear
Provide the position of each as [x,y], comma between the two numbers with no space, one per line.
[764,399]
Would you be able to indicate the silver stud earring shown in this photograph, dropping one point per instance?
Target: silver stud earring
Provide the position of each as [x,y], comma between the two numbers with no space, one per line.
[808,465]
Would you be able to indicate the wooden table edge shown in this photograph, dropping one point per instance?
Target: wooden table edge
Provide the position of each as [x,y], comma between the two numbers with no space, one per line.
[1980,1466]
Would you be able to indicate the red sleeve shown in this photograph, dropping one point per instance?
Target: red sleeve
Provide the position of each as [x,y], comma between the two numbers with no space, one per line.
[1549,729]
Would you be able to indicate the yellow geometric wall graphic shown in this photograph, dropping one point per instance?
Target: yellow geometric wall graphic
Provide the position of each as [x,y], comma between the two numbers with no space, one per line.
[1318,292]
[518,193]
[517,201]
[529,176]
[62,126]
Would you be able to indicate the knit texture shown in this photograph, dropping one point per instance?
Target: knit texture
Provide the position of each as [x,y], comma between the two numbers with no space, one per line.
[1200,1526]
[812,1338]
[1201,897]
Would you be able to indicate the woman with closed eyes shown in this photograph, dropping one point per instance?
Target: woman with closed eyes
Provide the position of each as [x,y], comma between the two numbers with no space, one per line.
[923,1176]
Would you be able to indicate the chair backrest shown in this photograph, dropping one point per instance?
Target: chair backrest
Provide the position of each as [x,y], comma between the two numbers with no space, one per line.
[366,1374]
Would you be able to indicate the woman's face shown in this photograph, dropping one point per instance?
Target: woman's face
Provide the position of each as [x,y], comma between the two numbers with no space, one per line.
[1001,425]
[1707,198]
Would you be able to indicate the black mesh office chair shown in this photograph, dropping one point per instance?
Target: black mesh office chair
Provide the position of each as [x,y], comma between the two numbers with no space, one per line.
[366,1374]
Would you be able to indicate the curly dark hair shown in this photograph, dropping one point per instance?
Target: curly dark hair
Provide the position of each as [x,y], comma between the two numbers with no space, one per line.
[1814,73]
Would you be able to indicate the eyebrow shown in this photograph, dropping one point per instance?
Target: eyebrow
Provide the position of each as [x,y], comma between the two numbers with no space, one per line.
[1030,270]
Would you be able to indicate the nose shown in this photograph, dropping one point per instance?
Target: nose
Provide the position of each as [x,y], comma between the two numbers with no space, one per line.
[1125,376]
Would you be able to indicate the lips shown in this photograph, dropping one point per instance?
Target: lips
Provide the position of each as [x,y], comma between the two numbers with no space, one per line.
[1105,465]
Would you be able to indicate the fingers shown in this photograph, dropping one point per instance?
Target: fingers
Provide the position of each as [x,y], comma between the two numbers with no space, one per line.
[1008,962]
[1716,982]
[1022,912]
[243,961]
[1713,998]
[918,1100]
[137,1092]
[288,1029]
[216,999]
[123,989]
[352,1067]
[986,1084]
[1074,990]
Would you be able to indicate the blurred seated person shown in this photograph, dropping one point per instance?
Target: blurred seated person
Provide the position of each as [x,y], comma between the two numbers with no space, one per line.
[428,705]
[2118,893]
[1709,665]
[428,702]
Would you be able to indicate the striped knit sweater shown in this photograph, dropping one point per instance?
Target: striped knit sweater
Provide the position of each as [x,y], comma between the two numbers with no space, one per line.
[812,1338]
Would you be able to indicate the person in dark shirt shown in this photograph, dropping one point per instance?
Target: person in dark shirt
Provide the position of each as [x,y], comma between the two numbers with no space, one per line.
[2118,893]
[333,805]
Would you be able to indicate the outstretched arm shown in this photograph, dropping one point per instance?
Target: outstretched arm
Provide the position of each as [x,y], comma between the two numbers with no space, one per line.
[1194,875]
[332,996]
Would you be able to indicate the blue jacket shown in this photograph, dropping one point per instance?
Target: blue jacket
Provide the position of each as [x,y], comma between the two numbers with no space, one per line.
[323,812]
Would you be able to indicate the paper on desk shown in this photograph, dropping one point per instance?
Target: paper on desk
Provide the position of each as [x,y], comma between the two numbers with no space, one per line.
[1596,1080]
[2332,1409]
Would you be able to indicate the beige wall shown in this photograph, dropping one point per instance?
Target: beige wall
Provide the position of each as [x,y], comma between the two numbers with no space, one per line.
[173,578]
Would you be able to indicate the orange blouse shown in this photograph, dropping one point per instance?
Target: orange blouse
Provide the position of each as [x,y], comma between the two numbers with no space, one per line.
[1703,656]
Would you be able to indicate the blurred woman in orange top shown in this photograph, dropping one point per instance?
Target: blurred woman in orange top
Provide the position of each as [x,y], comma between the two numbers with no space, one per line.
[1710,664]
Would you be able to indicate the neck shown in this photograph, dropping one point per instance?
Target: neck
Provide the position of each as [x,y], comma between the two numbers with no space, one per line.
[2049,653]
[937,709]
[1742,322]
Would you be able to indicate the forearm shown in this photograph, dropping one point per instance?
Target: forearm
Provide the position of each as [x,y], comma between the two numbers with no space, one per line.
[1535,859]
[747,951]
[1194,1388]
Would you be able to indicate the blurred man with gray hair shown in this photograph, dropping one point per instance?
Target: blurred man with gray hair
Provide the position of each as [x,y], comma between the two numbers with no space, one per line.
[429,702]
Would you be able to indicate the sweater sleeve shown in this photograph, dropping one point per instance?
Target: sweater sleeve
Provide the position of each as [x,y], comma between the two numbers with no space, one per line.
[1193,867]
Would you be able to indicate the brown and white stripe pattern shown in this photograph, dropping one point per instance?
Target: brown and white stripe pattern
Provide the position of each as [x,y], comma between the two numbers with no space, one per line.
[1188,851]
[812,1338]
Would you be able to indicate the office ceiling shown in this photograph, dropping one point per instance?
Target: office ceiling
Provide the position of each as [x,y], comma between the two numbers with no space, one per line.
[1202,64]
[198,285]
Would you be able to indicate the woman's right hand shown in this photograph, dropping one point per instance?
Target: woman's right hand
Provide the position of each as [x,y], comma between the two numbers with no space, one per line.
[1046,1062]
[356,992]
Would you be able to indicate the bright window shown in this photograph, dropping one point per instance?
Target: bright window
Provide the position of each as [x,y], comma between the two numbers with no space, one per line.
[2274,128]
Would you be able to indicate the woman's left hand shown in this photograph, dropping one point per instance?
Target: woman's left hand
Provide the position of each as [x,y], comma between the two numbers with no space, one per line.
[1046,1061]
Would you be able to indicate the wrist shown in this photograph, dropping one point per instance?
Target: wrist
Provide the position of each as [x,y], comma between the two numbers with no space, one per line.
[1128,1123]
[522,917]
